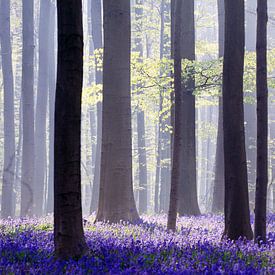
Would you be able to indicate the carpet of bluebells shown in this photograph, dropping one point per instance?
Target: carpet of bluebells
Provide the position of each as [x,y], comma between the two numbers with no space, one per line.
[26,247]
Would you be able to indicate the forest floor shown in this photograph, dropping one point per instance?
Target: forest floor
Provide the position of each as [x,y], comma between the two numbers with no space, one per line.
[26,247]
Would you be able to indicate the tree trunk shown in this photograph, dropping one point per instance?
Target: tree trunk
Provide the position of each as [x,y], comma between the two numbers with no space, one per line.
[68,228]
[218,192]
[164,136]
[262,123]
[188,201]
[52,84]
[237,220]
[116,198]
[27,183]
[96,11]
[7,207]
[178,141]
[142,163]
[41,107]
[142,197]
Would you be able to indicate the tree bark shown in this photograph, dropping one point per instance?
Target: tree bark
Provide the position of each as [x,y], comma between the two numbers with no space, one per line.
[41,107]
[218,192]
[7,203]
[262,123]
[116,199]
[68,228]
[188,201]
[27,183]
[237,220]
[96,16]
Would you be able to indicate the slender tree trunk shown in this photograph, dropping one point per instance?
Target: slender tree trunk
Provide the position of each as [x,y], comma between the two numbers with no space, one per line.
[52,85]
[116,199]
[68,228]
[142,163]
[218,192]
[164,135]
[262,123]
[142,197]
[96,16]
[188,201]
[27,183]
[237,220]
[7,208]
[41,107]
[178,142]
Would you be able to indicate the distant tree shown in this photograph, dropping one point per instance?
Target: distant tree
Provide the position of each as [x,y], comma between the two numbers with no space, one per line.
[116,198]
[96,17]
[237,220]
[188,200]
[8,200]
[52,86]
[41,107]
[68,227]
[142,170]
[164,152]
[218,191]
[262,123]
[27,183]
[178,141]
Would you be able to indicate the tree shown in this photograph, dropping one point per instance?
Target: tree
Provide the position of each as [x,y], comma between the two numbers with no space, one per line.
[68,228]
[237,220]
[164,143]
[262,123]
[116,198]
[41,107]
[218,192]
[188,201]
[27,183]
[178,141]
[96,17]
[7,204]
[142,170]
[52,82]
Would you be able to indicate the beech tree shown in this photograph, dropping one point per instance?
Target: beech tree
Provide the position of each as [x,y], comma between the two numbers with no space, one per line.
[8,200]
[96,17]
[262,123]
[218,190]
[68,228]
[41,107]
[178,141]
[237,219]
[27,183]
[188,201]
[116,198]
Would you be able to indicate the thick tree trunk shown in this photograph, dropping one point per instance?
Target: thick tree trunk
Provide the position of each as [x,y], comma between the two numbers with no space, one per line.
[27,174]
[68,228]
[52,85]
[262,123]
[7,207]
[237,220]
[116,199]
[178,141]
[41,107]
[188,201]
[218,192]
[96,17]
